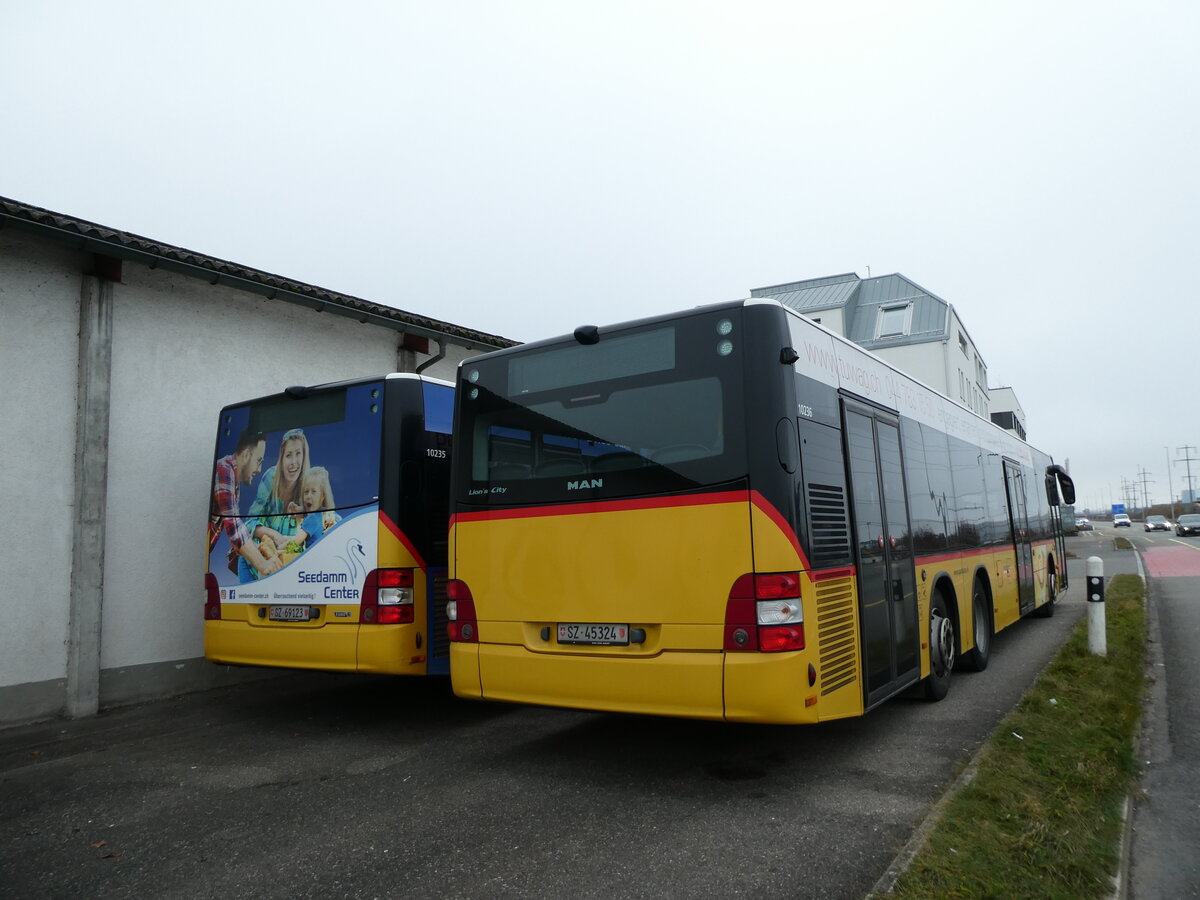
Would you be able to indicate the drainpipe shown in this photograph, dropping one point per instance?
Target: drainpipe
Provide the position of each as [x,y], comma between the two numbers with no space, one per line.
[438,357]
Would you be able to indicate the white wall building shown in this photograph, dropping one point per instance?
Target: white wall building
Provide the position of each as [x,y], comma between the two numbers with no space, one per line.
[116,355]
[1007,411]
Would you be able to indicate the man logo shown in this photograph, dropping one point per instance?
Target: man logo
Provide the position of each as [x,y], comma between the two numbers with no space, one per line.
[585,484]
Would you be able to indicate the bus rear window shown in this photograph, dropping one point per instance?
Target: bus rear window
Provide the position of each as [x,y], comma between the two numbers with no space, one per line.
[619,356]
[651,409]
[657,424]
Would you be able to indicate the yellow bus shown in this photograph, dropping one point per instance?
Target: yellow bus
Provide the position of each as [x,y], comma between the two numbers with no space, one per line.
[732,513]
[327,528]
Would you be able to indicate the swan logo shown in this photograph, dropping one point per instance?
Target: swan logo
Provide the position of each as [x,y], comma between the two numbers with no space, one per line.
[354,560]
[585,484]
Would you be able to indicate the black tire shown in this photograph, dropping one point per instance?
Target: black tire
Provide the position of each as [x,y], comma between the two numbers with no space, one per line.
[941,648]
[1046,610]
[977,658]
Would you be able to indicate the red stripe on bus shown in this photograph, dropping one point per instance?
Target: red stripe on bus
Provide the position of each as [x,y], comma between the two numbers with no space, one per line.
[596,506]
[781,523]
[936,558]
[391,526]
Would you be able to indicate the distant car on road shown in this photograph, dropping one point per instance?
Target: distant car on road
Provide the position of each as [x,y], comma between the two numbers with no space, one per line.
[1120,520]
[1082,524]
[1157,523]
[1189,524]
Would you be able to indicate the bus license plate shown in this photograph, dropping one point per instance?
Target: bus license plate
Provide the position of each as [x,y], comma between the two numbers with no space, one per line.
[289,613]
[594,634]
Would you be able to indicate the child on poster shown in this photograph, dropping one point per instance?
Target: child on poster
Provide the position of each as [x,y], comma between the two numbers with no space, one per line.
[316,494]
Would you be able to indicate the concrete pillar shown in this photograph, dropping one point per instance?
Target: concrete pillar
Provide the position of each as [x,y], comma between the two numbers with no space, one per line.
[91,489]
[406,360]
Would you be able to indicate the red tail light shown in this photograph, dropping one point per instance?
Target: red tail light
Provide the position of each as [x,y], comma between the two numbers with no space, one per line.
[776,585]
[388,598]
[781,637]
[462,626]
[764,613]
[212,597]
[395,578]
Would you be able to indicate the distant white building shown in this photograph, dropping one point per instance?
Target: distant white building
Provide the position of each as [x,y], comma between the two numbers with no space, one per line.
[910,327]
[1007,411]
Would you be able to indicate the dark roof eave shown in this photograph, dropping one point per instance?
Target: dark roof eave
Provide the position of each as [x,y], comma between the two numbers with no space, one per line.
[90,237]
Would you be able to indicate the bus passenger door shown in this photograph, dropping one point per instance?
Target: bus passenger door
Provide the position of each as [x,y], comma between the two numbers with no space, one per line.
[1018,520]
[886,585]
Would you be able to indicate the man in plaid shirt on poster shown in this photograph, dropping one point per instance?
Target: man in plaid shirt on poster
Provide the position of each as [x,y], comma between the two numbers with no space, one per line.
[231,472]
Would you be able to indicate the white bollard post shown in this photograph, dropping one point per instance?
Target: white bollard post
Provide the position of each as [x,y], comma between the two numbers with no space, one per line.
[1097,638]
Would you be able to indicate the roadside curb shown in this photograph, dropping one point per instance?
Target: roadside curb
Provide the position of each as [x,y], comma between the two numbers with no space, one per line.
[1155,682]
[887,881]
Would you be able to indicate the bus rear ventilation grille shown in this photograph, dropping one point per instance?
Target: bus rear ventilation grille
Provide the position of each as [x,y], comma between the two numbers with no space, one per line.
[439,640]
[836,633]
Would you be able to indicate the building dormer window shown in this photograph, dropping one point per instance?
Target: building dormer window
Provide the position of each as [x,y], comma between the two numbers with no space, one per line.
[894,320]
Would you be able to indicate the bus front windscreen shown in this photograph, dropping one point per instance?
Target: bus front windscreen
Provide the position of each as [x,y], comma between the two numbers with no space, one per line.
[653,409]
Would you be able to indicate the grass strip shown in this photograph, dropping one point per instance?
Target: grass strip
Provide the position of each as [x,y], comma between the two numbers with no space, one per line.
[1041,818]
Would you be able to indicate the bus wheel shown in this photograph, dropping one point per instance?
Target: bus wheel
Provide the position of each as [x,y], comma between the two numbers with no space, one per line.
[1046,610]
[941,649]
[977,659]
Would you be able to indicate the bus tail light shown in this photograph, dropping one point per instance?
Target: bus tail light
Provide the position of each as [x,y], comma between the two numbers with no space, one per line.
[388,597]
[461,625]
[212,597]
[764,613]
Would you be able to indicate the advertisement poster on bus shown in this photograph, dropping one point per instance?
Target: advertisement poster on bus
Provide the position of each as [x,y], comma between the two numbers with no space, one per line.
[295,498]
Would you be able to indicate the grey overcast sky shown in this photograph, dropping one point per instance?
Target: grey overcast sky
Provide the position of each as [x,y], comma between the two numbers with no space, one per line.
[524,167]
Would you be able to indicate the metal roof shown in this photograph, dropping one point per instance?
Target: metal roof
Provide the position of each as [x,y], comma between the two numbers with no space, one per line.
[105,241]
[929,320]
[824,296]
[776,289]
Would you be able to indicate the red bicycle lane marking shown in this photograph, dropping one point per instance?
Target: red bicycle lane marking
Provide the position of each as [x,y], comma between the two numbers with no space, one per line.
[1172,562]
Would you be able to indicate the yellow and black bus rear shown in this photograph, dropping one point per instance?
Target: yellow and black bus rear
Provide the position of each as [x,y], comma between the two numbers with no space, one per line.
[327,529]
[707,514]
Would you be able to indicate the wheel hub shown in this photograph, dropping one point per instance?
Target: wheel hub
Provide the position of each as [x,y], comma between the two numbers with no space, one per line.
[942,645]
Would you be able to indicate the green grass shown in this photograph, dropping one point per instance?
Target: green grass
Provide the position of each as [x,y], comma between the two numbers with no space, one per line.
[1122,544]
[1041,818]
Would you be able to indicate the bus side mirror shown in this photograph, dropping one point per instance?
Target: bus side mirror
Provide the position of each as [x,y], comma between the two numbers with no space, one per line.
[1058,480]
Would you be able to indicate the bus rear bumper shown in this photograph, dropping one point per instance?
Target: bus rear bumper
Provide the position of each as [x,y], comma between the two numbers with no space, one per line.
[669,684]
[331,648]
[751,687]
[770,688]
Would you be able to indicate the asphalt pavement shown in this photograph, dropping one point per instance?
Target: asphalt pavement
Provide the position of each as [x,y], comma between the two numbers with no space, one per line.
[1164,835]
